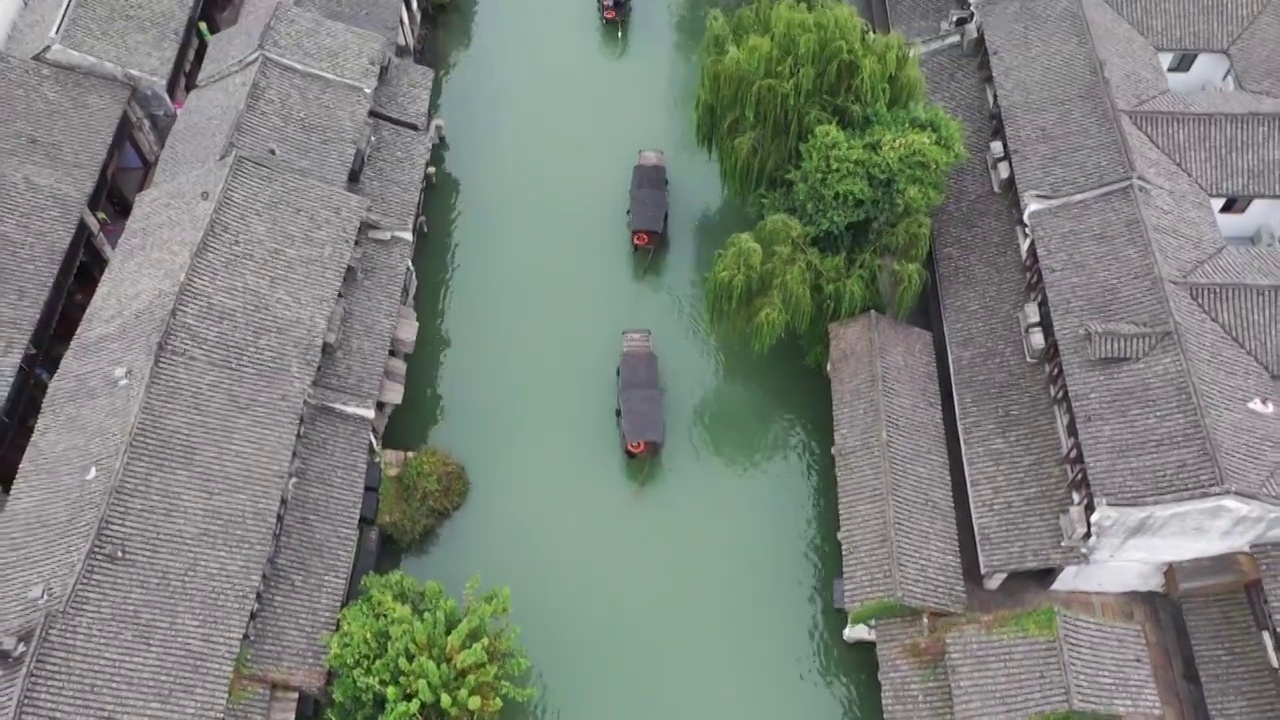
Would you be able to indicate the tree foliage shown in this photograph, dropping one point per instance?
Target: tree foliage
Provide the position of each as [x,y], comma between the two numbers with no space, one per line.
[823,125]
[415,498]
[774,71]
[405,650]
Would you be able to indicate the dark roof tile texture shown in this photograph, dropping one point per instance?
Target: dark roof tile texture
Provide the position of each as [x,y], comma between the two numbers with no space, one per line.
[897,520]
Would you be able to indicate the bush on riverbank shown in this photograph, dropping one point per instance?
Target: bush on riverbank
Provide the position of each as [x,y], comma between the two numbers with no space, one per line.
[420,494]
[405,649]
[824,129]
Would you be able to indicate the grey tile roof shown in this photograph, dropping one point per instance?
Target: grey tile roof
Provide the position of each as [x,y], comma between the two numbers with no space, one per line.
[1229,155]
[897,520]
[1107,665]
[254,703]
[1169,420]
[394,172]
[1008,430]
[919,19]
[178,403]
[1189,24]
[912,687]
[1253,54]
[298,36]
[51,162]
[1091,665]
[312,124]
[998,676]
[371,300]
[405,93]
[1268,557]
[140,36]
[1238,681]
[312,560]
[1047,78]
[376,16]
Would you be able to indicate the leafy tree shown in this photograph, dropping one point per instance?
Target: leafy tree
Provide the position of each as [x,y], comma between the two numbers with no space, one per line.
[773,71]
[873,190]
[824,126]
[405,650]
[415,498]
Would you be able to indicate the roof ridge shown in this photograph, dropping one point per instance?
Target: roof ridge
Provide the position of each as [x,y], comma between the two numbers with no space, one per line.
[873,320]
[1247,26]
[1067,679]
[136,413]
[1164,283]
[1110,99]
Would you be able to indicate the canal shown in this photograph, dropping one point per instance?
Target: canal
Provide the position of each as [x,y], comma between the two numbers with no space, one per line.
[699,588]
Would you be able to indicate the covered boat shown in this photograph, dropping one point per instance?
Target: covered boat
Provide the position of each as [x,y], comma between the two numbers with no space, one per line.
[614,12]
[641,427]
[647,214]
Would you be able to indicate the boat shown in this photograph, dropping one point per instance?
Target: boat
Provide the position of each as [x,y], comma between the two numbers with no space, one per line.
[614,12]
[648,211]
[641,427]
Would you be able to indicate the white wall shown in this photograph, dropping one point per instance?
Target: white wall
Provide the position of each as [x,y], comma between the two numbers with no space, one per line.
[1262,211]
[1208,68]
[1131,546]
[1174,532]
[1113,577]
[9,10]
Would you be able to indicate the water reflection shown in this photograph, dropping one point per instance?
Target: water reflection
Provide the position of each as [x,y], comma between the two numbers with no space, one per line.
[850,669]
[691,21]
[451,37]
[614,40]
[541,707]
[434,263]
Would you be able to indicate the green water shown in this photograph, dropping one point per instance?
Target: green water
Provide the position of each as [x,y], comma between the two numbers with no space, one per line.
[700,588]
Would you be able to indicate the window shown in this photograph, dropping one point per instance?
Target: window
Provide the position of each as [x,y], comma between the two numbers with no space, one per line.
[1235,206]
[1182,62]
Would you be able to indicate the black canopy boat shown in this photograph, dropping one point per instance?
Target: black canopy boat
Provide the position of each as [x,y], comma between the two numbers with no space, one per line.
[647,214]
[641,428]
[614,12]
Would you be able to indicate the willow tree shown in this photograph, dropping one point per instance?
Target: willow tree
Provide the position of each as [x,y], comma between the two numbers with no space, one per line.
[823,125]
[773,71]
[771,282]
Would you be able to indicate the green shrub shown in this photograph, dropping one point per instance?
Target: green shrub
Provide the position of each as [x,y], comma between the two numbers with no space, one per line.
[877,609]
[418,496]
[406,650]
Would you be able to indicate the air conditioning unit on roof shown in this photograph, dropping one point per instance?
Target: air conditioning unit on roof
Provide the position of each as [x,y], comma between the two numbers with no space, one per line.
[1264,236]
[1033,344]
[1075,523]
[1029,315]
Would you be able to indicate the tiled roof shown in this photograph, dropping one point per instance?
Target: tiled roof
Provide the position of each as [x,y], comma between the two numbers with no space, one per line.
[310,123]
[312,560]
[51,160]
[297,36]
[376,16]
[353,370]
[1091,665]
[1118,204]
[1268,557]
[1047,79]
[1008,432]
[139,36]
[912,686]
[1238,680]
[897,520]
[920,19]
[405,93]
[393,175]
[179,403]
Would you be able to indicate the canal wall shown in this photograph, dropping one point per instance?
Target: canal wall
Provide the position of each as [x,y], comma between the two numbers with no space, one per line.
[296,116]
